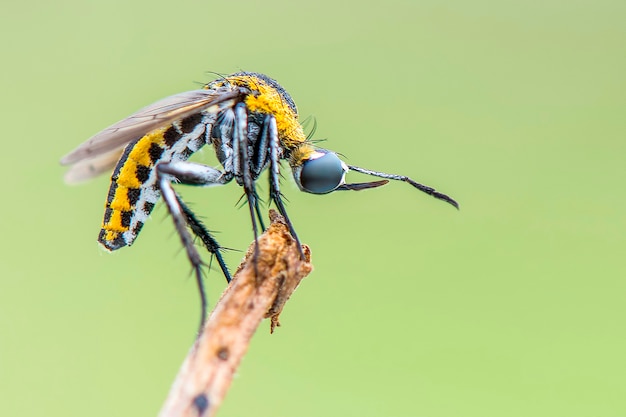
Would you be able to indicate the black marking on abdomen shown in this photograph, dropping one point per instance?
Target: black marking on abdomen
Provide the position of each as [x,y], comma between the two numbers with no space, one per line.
[116,172]
[111,194]
[155,152]
[148,207]
[171,136]
[133,196]
[107,214]
[137,227]
[143,173]
[189,123]
[126,218]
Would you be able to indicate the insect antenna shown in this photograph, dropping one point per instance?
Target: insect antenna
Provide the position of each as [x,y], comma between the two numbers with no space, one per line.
[424,188]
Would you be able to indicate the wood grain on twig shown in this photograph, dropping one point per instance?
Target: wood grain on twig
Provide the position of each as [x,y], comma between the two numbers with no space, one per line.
[256,292]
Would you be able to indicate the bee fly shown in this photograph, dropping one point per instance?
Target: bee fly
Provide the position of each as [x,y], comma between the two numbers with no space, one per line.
[252,124]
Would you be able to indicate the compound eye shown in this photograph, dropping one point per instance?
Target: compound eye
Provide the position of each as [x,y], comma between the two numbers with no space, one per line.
[323,174]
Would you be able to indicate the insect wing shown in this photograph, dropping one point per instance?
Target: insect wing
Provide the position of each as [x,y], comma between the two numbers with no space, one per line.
[90,168]
[147,119]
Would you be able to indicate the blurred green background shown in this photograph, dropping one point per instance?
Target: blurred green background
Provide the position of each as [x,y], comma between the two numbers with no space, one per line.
[514,306]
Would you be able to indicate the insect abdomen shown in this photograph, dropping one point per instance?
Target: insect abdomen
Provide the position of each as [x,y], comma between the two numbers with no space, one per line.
[134,190]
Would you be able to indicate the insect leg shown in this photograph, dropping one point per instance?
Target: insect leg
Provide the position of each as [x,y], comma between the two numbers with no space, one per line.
[257,208]
[190,173]
[243,171]
[193,174]
[261,148]
[274,176]
[199,229]
[227,140]
[260,159]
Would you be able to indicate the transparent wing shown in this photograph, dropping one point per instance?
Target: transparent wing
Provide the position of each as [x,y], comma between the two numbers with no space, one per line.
[147,119]
[89,168]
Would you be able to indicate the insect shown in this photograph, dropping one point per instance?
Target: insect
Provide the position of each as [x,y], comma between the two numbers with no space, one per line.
[252,124]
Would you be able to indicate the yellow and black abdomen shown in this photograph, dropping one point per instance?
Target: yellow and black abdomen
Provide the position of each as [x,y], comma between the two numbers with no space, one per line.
[134,187]
[134,190]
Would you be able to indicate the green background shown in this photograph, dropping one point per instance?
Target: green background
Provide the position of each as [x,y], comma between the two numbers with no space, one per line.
[513,306]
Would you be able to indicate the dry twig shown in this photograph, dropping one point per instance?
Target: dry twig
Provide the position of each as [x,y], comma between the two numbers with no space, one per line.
[206,373]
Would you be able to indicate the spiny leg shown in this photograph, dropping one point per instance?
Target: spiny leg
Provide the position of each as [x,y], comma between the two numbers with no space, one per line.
[199,229]
[259,158]
[274,176]
[257,209]
[193,174]
[232,130]
[240,140]
[243,171]
[178,216]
